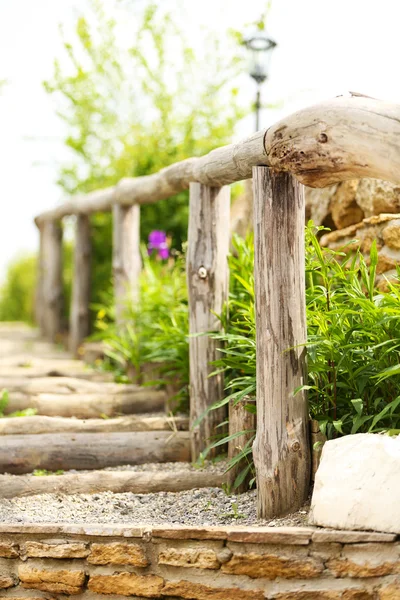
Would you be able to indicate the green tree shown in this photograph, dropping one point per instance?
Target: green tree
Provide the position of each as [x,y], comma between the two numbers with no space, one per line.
[131,109]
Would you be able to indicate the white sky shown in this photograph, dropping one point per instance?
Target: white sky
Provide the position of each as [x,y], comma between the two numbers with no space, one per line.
[326,47]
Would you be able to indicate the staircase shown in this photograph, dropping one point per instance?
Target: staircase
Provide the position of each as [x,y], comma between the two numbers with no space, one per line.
[84,423]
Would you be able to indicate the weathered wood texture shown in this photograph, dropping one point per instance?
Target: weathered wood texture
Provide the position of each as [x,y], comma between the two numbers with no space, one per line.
[52,287]
[145,482]
[281,448]
[40,284]
[344,138]
[44,424]
[87,406]
[126,257]
[207,277]
[244,422]
[81,451]
[79,324]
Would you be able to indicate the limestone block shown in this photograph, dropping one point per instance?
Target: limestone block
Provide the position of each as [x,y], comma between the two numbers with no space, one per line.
[8,550]
[127,584]
[59,581]
[390,592]
[391,234]
[189,557]
[350,594]
[366,560]
[357,485]
[344,208]
[197,591]
[375,196]
[272,566]
[6,582]
[117,554]
[39,550]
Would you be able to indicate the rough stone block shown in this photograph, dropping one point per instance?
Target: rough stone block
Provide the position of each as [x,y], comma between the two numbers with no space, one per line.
[127,584]
[6,582]
[189,557]
[296,536]
[117,554]
[8,550]
[272,566]
[59,581]
[197,591]
[39,550]
[357,485]
[360,594]
[390,592]
[391,234]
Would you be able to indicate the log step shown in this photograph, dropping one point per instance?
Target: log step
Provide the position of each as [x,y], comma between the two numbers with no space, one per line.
[89,406]
[90,451]
[44,424]
[144,482]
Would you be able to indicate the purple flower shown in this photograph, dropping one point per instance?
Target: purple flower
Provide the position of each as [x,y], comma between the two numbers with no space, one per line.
[158,241]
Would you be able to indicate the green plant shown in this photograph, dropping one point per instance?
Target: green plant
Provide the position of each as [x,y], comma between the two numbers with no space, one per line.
[4,400]
[45,473]
[156,331]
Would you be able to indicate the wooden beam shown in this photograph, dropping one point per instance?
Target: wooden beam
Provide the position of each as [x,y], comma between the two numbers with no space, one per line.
[344,138]
[136,482]
[86,451]
[126,257]
[79,323]
[243,422]
[281,448]
[40,284]
[52,261]
[207,277]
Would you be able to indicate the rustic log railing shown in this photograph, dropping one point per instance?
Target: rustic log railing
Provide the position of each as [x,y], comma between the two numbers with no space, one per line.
[345,138]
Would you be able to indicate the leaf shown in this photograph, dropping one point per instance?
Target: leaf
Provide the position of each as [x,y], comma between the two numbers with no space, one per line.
[358,405]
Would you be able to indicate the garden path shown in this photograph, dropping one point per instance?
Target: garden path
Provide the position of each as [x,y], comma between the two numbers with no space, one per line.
[69,428]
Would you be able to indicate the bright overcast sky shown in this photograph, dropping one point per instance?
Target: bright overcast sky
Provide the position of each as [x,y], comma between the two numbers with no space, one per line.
[326,47]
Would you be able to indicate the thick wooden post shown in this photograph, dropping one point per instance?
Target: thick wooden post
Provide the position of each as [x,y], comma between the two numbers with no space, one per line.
[127,261]
[79,320]
[39,284]
[207,276]
[281,448]
[51,313]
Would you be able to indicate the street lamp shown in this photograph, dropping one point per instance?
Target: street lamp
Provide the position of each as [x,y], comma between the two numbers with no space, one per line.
[260,47]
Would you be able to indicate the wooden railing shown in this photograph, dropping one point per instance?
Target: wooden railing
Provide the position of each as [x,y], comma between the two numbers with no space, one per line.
[345,138]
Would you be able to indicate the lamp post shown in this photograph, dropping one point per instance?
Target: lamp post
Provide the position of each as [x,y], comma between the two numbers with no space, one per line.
[260,48]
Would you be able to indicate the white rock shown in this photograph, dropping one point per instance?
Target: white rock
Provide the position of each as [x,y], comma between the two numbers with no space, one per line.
[357,485]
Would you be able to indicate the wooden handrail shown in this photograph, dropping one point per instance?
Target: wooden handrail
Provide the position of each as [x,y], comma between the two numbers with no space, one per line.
[343,138]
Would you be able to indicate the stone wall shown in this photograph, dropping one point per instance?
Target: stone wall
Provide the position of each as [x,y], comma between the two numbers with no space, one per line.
[225,563]
[385,229]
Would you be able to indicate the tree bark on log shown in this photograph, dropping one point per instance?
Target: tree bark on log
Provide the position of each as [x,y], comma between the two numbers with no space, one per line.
[88,451]
[281,448]
[87,406]
[145,482]
[344,138]
[127,262]
[207,277]
[44,424]
[79,324]
[52,280]
[39,299]
[240,420]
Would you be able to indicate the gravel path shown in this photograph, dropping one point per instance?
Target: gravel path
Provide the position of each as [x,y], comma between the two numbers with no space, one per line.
[208,506]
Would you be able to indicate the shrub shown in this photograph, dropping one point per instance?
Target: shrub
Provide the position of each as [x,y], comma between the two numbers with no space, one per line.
[17,295]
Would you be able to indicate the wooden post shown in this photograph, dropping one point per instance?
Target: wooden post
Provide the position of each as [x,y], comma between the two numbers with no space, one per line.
[127,262]
[39,284]
[281,448]
[207,276]
[79,321]
[240,421]
[51,312]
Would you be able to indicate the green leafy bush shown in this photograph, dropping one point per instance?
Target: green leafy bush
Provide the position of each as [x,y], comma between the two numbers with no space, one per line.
[156,328]
[17,295]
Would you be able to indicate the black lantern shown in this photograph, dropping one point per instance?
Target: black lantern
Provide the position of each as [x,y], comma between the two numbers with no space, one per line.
[260,48]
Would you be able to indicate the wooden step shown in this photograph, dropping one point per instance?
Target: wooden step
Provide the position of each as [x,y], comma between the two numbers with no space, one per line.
[91,405]
[43,424]
[89,451]
[144,482]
